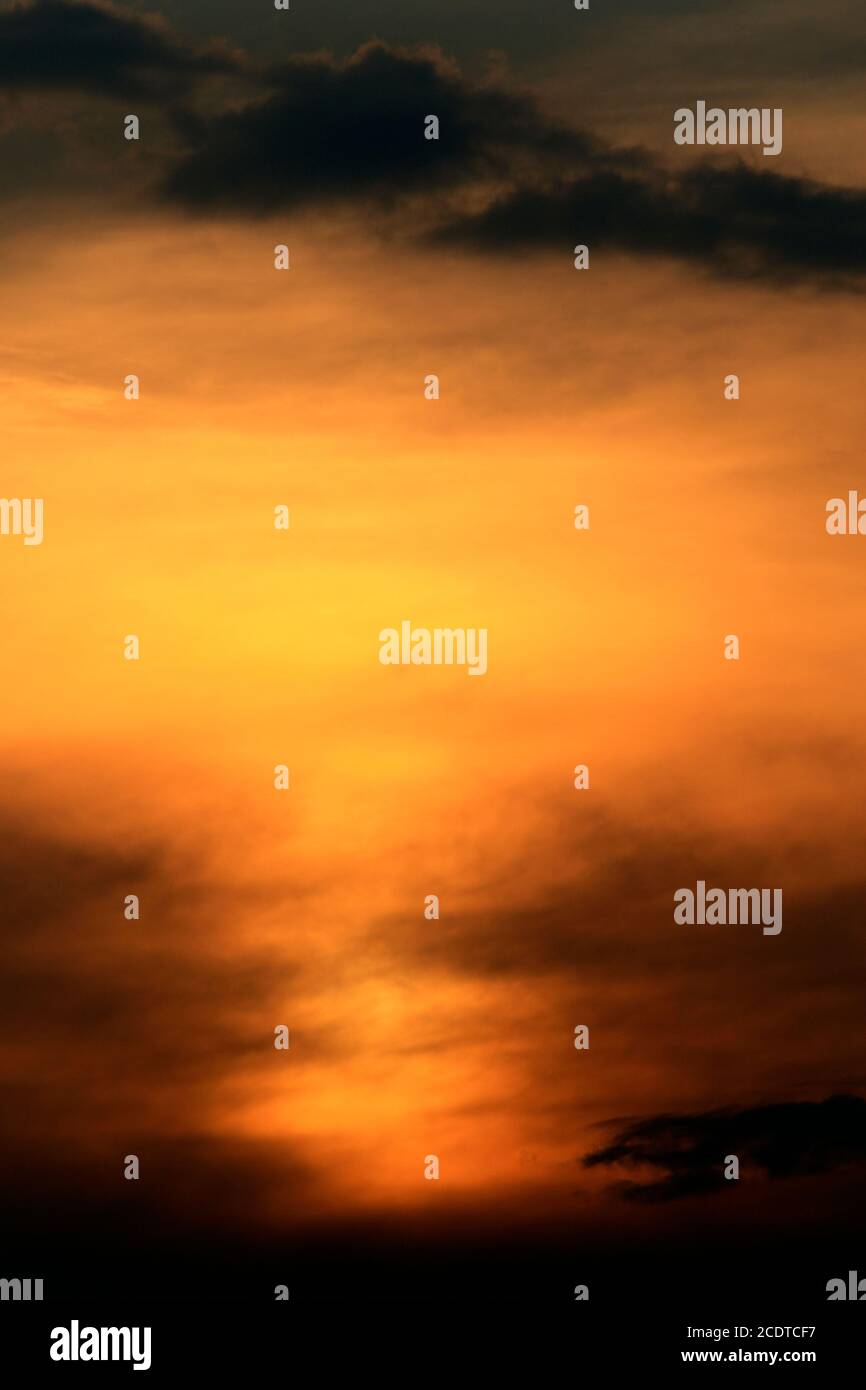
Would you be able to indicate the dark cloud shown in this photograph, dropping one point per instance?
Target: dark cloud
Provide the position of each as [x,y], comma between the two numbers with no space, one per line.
[503,178]
[97,49]
[355,129]
[736,221]
[795,1139]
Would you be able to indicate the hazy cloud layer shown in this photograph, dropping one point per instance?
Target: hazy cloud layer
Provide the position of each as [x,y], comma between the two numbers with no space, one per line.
[121,1023]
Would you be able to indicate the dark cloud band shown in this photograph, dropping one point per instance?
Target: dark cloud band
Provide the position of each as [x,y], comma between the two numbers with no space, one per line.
[796,1139]
[502,178]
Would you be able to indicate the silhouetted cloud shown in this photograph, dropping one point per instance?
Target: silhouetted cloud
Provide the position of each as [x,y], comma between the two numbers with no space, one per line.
[503,177]
[736,221]
[355,129]
[792,1139]
[98,49]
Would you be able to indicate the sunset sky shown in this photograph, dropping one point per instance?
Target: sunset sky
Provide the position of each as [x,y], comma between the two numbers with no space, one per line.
[412,1037]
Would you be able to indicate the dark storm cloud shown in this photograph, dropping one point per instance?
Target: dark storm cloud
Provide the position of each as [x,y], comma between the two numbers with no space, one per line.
[97,49]
[737,221]
[503,178]
[354,129]
[794,1139]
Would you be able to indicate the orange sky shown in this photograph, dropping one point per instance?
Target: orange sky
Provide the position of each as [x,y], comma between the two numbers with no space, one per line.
[261,647]
[258,647]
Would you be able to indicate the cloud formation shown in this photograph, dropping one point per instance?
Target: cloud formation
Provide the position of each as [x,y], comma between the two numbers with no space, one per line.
[788,1140]
[735,221]
[126,1025]
[95,48]
[504,178]
[349,130]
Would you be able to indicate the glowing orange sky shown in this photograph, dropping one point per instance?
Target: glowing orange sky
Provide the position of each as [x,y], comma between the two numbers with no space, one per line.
[260,647]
